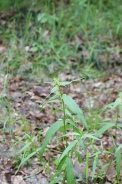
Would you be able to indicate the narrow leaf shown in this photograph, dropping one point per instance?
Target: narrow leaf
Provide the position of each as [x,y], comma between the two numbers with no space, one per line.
[53,129]
[89,136]
[25,160]
[116,103]
[120,147]
[118,164]
[72,105]
[104,128]
[54,89]
[94,166]
[73,143]
[70,171]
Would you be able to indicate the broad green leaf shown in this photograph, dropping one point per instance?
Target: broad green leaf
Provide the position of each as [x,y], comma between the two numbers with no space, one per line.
[104,128]
[118,163]
[70,171]
[116,103]
[71,145]
[72,105]
[53,129]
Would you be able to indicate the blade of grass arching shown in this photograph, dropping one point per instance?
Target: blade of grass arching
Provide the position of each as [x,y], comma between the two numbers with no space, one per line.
[118,164]
[53,129]
[72,105]
[24,148]
[104,128]
[25,160]
[73,143]
[70,171]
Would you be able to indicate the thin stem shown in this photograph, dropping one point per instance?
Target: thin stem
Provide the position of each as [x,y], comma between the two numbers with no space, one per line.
[64,115]
[117,114]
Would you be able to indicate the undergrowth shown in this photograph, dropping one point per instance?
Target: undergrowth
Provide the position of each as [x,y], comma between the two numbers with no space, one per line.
[61,35]
[73,124]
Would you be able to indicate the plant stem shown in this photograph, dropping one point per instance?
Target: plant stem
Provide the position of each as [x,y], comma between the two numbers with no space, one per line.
[64,115]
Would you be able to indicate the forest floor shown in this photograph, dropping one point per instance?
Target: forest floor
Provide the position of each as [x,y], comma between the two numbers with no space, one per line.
[57,41]
[21,116]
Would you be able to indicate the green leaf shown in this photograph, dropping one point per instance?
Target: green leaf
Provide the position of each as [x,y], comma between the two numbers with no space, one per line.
[25,147]
[62,163]
[54,89]
[81,142]
[68,113]
[65,83]
[87,167]
[94,166]
[71,134]
[72,123]
[52,99]
[56,180]
[120,94]
[70,171]
[78,156]
[91,136]
[72,105]
[118,163]
[68,82]
[25,160]
[107,106]
[73,143]
[53,129]
[104,128]
[116,103]
[120,146]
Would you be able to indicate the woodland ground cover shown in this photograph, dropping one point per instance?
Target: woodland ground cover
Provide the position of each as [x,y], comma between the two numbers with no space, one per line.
[71,40]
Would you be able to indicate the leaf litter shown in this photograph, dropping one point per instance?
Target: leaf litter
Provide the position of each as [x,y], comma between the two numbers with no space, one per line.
[26,98]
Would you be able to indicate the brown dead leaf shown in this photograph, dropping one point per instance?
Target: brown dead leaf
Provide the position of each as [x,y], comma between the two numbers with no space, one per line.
[2,49]
[17,180]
